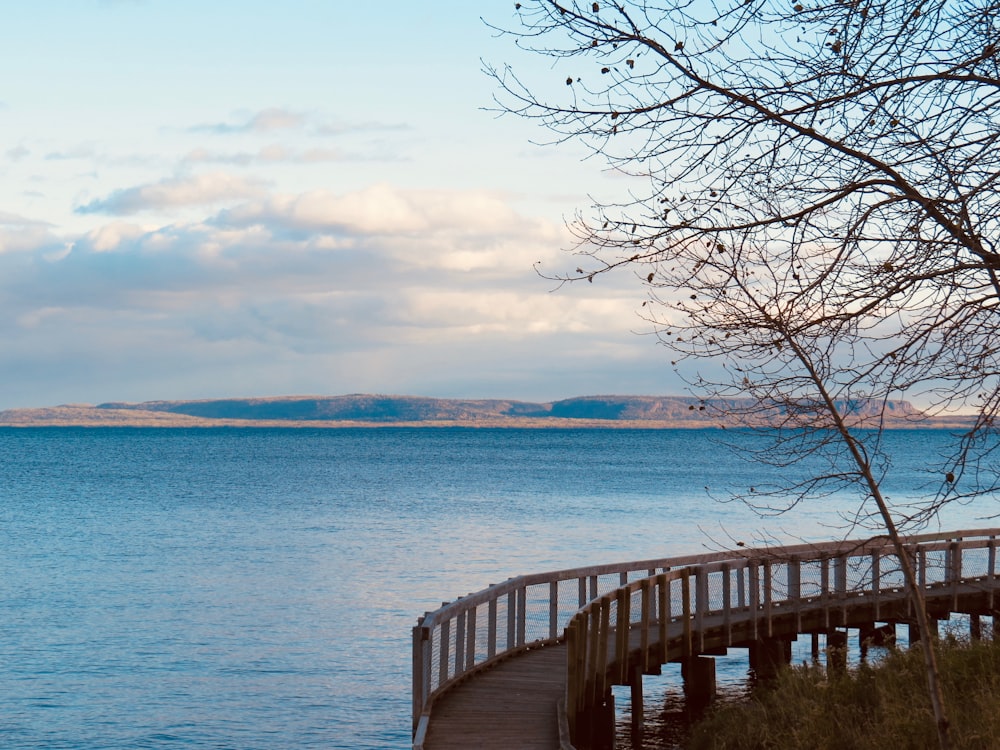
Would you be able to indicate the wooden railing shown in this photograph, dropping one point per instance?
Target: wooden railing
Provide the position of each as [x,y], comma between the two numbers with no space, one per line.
[607,612]
[505,619]
[669,616]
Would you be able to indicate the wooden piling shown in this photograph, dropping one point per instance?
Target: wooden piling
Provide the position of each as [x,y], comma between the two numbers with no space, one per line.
[699,680]
[635,685]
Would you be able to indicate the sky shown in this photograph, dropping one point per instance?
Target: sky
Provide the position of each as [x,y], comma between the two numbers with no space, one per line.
[242,198]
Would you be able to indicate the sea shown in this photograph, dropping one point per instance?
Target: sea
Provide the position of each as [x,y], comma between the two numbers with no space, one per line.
[255,589]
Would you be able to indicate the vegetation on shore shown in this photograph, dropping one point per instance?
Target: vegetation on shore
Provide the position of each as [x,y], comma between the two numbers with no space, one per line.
[873,706]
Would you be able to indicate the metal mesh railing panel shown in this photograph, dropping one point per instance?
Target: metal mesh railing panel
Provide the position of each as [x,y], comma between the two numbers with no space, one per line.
[935,569]
[890,573]
[975,563]
[811,579]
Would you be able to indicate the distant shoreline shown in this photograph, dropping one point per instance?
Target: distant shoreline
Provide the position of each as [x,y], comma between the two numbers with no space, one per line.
[374,411]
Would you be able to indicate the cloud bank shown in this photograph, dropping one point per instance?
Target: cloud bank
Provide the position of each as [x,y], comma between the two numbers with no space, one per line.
[383,289]
[200,190]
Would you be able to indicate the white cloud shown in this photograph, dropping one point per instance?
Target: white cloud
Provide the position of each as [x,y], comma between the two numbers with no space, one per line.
[382,289]
[273,154]
[379,210]
[19,234]
[265,121]
[199,190]
[111,236]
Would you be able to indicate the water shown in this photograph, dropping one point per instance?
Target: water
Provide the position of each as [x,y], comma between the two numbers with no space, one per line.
[214,588]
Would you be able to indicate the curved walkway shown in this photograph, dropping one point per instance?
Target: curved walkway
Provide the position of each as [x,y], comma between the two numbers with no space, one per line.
[492,666]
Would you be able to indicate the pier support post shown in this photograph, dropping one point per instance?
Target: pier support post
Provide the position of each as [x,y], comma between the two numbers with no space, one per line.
[635,684]
[814,647]
[975,628]
[602,724]
[768,655]
[836,652]
[699,681]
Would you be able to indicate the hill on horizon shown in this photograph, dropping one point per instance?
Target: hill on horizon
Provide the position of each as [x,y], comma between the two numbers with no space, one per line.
[375,409]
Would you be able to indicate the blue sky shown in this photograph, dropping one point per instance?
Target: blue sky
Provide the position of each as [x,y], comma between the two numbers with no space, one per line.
[207,199]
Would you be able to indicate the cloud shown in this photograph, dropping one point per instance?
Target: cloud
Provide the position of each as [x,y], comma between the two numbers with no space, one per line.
[82,151]
[383,289]
[199,190]
[111,236]
[11,219]
[378,210]
[19,234]
[274,154]
[339,127]
[17,153]
[264,121]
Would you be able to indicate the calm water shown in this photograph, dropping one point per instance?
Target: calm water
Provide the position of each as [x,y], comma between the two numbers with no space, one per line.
[246,589]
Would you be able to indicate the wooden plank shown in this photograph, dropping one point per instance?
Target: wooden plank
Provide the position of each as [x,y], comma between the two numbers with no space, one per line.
[512,705]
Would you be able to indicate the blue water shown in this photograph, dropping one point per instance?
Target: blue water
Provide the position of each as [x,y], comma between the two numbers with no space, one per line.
[214,588]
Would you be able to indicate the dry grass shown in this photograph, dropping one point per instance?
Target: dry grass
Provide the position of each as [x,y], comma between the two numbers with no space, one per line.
[874,707]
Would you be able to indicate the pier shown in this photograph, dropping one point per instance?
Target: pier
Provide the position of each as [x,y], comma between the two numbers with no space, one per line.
[530,662]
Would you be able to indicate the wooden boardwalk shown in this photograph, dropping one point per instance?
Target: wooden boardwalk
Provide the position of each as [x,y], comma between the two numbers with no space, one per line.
[529,663]
[510,705]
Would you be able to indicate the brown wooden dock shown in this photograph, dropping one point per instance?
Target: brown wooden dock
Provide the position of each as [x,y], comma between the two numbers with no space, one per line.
[529,663]
[510,705]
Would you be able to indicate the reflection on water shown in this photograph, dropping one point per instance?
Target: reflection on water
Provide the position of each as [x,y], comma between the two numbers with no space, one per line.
[667,715]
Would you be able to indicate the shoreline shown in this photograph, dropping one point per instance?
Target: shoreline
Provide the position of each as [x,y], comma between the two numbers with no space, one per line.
[66,417]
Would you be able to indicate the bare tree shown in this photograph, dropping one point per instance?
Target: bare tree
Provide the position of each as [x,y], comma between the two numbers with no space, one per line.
[818,208]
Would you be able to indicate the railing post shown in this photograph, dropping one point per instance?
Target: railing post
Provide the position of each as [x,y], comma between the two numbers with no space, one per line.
[991,546]
[914,560]
[593,651]
[955,571]
[623,629]
[824,588]
[491,630]
[582,622]
[522,615]
[553,609]
[572,674]
[727,586]
[701,604]
[602,649]
[460,644]
[840,584]
[686,610]
[877,582]
[753,582]
[511,620]
[741,585]
[470,639]
[795,589]
[768,594]
[420,636]
[663,616]
[646,618]
[445,653]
